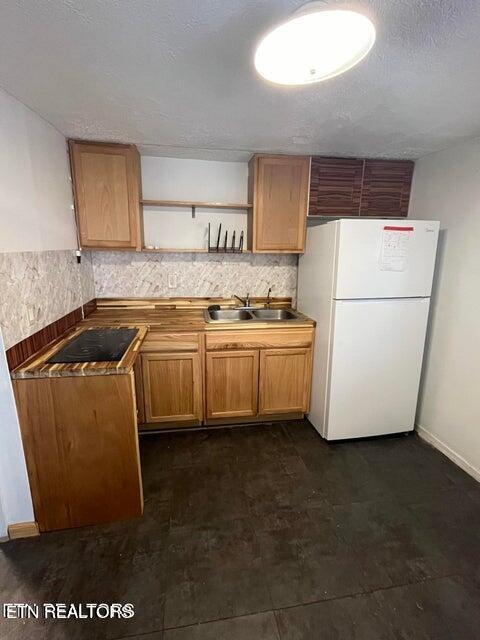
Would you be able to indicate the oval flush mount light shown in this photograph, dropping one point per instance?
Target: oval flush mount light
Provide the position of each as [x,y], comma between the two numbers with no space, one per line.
[318,42]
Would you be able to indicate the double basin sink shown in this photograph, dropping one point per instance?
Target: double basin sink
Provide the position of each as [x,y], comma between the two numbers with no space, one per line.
[245,315]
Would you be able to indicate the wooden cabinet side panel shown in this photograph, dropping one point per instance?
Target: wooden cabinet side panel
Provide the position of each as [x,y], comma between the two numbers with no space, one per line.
[252,193]
[139,390]
[172,387]
[280,203]
[43,453]
[134,198]
[284,381]
[231,384]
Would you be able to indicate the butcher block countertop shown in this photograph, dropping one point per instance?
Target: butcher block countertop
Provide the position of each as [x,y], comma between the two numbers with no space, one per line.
[38,366]
[151,314]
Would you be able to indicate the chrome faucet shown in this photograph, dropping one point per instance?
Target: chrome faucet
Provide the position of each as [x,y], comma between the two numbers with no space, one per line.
[268,297]
[245,301]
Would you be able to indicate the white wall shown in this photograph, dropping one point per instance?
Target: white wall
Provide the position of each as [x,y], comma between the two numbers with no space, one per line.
[15,500]
[446,187]
[197,180]
[36,224]
[35,191]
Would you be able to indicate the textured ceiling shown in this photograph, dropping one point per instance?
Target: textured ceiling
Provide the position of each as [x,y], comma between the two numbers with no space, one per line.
[177,75]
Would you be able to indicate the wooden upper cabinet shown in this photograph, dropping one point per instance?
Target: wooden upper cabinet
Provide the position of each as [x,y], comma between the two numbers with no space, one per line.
[342,187]
[278,188]
[107,191]
[386,188]
[335,186]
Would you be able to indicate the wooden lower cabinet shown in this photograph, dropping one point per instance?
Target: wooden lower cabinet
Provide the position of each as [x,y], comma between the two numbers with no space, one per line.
[172,387]
[223,376]
[232,384]
[81,447]
[284,383]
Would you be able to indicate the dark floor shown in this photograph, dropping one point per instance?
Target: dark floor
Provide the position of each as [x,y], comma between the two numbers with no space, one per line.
[268,532]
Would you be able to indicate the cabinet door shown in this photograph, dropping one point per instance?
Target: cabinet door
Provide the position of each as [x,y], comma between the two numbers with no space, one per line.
[284,381]
[386,188]
[107,194]
[280,202]
[172,387]
[335,186]
[232,384]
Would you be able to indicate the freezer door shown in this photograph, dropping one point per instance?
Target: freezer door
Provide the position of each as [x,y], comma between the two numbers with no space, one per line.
[385,258]
[376,360]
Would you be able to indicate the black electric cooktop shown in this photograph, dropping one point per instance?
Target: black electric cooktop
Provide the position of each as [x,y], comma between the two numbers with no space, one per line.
[96,345]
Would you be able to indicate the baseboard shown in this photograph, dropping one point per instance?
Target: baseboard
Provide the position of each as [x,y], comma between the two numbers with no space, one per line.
[426,435]
[23,530]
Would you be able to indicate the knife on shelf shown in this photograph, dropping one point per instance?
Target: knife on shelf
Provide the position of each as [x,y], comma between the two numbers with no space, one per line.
[218,237]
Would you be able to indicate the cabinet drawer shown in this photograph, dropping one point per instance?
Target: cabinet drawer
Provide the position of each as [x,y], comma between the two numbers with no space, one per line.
[170,342]
[259,339]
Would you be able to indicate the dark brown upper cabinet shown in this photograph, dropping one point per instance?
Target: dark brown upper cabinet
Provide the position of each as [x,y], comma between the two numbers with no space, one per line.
[341,187]
[335,186]
[386,188]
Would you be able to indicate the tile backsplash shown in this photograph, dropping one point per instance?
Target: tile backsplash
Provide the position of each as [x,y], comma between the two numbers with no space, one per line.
[39,287]
[128,274]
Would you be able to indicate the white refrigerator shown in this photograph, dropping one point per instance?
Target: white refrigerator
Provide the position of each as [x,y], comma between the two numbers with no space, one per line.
[367,283]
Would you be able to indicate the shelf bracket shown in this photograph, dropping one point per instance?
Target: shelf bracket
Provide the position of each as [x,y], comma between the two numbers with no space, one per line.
[193,210]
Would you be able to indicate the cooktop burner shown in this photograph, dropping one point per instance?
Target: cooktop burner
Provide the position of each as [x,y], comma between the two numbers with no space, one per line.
[96,345]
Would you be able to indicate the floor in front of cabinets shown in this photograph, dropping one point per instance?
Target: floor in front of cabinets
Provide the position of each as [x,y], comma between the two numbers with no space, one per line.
[268,532]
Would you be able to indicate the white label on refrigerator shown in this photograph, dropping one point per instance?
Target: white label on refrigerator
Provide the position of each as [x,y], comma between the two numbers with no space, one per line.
[395,244]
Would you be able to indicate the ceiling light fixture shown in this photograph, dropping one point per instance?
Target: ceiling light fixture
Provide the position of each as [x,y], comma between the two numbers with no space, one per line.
[316,43]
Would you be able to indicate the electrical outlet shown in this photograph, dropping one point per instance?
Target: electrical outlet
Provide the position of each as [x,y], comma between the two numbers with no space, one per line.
[172,280]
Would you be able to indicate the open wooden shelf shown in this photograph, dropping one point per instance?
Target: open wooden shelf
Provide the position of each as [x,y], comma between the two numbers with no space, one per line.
[228,253]
[193,205]
[201,205]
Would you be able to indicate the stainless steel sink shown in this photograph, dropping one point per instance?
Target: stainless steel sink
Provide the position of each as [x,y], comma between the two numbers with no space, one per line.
[250,315]
[274,314]
[230,315]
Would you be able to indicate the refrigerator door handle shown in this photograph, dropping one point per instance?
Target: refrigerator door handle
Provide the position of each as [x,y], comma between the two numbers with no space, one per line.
[380,299]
